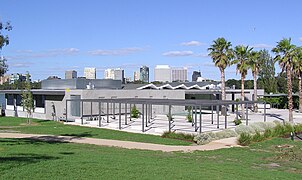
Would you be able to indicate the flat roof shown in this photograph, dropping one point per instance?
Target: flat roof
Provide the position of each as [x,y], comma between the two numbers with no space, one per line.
[36,92]
[175,102]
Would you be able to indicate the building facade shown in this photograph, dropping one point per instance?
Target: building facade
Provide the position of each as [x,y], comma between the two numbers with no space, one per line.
[180,74]
[136,76]
[116,74]
[144,74]
[195,75]
[90,73]
[16,77]
[71,74]
[162,73]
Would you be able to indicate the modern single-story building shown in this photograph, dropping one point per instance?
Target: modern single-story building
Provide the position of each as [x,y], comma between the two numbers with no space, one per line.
[50,100]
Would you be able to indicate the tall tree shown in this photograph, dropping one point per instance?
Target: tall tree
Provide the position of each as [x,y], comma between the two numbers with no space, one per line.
[285,53]
[27,98]
[4,41]
[297,67]
[221,53]
[267,80]
[241,58]
[254,62]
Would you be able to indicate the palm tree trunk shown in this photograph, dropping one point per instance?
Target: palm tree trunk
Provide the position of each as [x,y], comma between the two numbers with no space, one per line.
[300,93]
[255,91]
[222,84]
[242,96]
[290,95]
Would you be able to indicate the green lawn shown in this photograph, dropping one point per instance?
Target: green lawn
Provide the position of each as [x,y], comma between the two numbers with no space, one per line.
[28,159]
[56,128]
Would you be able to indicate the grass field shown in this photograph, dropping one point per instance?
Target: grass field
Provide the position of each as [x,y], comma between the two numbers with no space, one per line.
[28,159]
[57,128]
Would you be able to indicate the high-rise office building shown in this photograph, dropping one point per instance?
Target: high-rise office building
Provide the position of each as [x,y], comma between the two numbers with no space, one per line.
[144,74]
[136,76]
[71,74]
[117,74]
[180,74]
[195,75]
[162,73]
[90,73]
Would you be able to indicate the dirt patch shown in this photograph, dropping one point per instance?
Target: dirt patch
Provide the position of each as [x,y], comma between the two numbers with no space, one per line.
[8,127]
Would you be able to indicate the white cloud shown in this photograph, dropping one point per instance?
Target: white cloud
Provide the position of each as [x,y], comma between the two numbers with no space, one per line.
[192,43]
[202,55]
[115,52]
[261,46]
[30,54]
[20,65]
[300,39]
[178,53]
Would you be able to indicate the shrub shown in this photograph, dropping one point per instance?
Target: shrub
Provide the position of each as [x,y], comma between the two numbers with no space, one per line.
[237,121]
[268,133]
[268,125]
[288,128]
[298,128]
[245,139]
[203,138]
[134,112]
[180,136]
[279,130]
[257,137]
[226,133]
[258,126]
[189,115]
[244,129]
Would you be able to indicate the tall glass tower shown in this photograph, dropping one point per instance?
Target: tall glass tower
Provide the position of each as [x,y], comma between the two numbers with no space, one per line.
[144,74]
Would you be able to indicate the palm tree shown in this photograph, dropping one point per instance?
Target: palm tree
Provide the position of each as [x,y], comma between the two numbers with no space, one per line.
[242,54]
[285,53]
[298,72]
[221,53]
[254,62]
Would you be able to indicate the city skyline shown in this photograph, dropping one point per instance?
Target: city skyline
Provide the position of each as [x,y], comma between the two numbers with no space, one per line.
[129,34]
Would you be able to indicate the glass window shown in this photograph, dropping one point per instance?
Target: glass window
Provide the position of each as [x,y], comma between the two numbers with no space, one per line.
[10,99]
[40,101]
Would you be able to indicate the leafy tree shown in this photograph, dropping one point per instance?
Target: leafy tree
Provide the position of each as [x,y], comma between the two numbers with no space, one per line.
[254,63]
[241,57]
[267,80]
[4,41]
[221,53]
[27,98]
[231,82]
[285,52]
[281,83]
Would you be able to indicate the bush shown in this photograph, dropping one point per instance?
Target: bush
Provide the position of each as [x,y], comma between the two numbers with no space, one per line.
[288,128]
[257,137]
[258,126]
[279,130]
[298,128]
[237,122]
[268,133]
[180,136]
[227,133]
[189,115]
[244,129]
[245,139]
[203,138]
[134,112]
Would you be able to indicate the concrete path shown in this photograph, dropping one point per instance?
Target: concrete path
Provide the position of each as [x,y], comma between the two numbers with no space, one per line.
[218,144]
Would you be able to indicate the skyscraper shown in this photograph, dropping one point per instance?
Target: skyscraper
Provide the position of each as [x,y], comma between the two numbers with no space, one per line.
[144,74]
[136,76]
[70,74]
[195,75]
[117,74]
[162,73]
[180,74]
[90,73]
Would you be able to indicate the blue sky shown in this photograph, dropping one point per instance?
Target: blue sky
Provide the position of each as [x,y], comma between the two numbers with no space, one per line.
[50,37]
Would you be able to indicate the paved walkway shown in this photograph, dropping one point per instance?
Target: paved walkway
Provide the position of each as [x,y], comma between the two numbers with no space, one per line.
[218,144]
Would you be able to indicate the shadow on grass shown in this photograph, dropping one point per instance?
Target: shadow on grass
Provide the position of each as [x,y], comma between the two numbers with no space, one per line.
[79,135]
[33,140]
[26,158]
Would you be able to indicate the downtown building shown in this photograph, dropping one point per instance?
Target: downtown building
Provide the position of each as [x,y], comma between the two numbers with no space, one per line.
[162,73]
[179,74]
[90,73]
[115,74]
[71,74]
[144,74]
